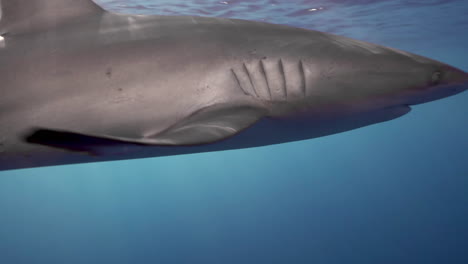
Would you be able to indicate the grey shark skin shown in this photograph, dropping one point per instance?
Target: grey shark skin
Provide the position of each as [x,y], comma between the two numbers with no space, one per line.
[80,84]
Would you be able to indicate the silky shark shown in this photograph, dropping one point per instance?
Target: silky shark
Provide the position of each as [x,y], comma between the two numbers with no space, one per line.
[81,84]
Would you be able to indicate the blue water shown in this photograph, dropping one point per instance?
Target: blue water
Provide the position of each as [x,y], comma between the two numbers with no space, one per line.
[395,192]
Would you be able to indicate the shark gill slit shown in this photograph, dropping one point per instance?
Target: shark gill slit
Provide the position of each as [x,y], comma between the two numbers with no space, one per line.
[303,78]
[250,79]
[239,83]
[263,71]
[283,75]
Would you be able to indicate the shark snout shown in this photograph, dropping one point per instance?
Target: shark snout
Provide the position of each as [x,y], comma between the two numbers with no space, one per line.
[455,76]
[456,80]
[446,81]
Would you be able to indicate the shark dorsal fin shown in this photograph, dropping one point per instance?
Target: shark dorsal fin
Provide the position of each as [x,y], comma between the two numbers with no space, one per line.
[22,16]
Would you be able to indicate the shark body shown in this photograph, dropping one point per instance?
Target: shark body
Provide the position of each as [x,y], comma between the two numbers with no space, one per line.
[81,84]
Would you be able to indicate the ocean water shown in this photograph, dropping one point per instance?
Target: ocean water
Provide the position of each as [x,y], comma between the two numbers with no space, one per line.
[395,192]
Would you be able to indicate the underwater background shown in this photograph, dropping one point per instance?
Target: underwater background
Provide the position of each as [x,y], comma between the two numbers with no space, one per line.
[395,192]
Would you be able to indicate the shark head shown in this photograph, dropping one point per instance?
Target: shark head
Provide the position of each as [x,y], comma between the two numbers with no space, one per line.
[441,81]
[365,76]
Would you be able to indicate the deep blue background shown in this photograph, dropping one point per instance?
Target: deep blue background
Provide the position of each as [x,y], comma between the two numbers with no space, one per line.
[396,192]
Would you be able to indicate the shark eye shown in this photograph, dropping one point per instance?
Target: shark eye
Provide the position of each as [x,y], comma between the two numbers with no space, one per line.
[436,77]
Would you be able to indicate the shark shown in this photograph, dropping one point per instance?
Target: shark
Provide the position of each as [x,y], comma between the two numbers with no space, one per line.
[81,84]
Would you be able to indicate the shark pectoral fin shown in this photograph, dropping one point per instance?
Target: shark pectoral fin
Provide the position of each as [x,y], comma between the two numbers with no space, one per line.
[21,16]
[208,125]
